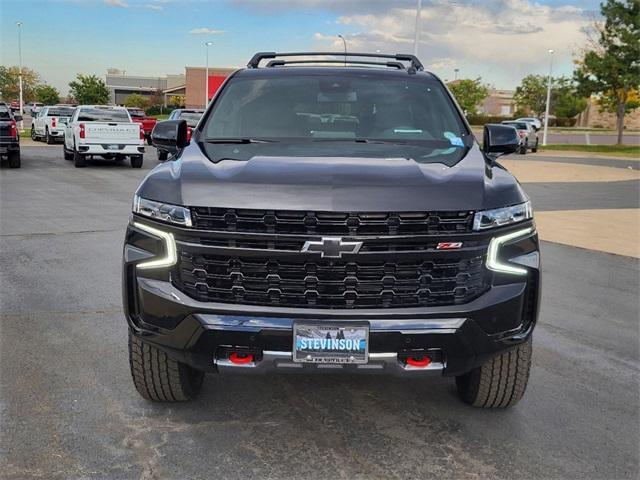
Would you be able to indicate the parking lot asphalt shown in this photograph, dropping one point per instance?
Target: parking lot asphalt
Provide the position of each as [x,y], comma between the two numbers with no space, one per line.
[68,408]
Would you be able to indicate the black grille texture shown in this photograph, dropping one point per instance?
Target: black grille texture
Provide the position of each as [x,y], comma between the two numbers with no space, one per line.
[331,223]
[303,282]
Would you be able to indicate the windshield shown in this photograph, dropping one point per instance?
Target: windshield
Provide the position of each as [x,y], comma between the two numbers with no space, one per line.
[518,125]
[136,113]
[192,118]
[103,115]
[60,112]
[321,107]
[4,112]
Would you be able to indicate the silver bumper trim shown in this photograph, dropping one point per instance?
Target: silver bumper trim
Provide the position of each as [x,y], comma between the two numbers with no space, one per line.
[274,361]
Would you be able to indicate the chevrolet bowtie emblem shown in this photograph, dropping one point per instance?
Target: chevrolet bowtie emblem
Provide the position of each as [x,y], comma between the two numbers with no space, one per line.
[331,247]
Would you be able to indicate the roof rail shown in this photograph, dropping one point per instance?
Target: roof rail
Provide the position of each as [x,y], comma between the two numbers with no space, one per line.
[281,63]
[416,65]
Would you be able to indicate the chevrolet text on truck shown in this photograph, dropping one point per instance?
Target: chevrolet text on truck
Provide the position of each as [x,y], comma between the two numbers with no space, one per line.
[104,131]
[332,216]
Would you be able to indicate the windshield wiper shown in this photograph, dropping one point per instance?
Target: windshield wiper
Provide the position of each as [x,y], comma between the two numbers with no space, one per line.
[238,140]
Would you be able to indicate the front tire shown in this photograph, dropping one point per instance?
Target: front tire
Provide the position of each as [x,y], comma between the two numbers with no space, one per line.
[79,160]
[523,148]
[500,382]
[14,159]
[535,148]
[34,137]
[66,153]
[159,378]
[136,161]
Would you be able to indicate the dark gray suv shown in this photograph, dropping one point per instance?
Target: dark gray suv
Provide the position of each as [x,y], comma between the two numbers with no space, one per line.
[332,216]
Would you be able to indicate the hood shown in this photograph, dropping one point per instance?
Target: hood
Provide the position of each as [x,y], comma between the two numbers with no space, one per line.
[332,183]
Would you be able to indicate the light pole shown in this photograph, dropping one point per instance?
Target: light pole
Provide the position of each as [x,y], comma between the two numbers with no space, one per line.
[416,38]
[455,73]
[546,110]
[19,24]
[344,42]
[206,74]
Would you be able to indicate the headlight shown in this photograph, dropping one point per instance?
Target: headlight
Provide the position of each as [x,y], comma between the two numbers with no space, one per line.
[162,211]
[500,217]
[494,263]
[170,257]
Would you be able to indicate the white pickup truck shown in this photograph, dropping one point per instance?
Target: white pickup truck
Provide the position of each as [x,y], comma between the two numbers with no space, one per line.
[108,132]
[50,122]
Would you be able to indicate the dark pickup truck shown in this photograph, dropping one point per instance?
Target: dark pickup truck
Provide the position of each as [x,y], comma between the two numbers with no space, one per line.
[328,218]
[9,136]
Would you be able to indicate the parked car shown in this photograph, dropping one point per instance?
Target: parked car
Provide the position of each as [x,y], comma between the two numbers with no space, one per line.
[191,116]
[34,108]
[326,219]
[9,136]
[527,135]
[105,131]
[15,105]
[537,124]
[50,122]
[138,116]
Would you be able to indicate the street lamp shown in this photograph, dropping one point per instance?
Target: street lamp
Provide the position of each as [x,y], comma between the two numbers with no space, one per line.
[546,111]
[455,73]
[416,38]
[206,74]
[344,42]
[19,24]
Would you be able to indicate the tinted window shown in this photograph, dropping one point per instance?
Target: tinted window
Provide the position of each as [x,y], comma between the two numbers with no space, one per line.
[192,118]
[4,112]
[136,113]
[103,115]
[60,112]
[518,125]
[309,106]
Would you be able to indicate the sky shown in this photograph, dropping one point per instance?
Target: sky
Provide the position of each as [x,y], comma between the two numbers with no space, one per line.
[500,41]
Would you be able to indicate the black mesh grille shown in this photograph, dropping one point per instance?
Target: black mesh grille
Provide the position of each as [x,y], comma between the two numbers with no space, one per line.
[300,282]
[331,223]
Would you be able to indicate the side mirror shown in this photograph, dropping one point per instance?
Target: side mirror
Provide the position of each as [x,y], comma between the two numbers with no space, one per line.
[17,118]
[500,139]
[170,135]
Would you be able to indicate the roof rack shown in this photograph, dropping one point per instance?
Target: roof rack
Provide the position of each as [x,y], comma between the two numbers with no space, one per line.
[281,63]
[415,64]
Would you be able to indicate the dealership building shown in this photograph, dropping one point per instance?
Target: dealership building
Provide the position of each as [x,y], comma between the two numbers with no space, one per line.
[188,87]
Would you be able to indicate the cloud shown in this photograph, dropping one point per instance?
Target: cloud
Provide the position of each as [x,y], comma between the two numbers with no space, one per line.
[157,8]
[206,31]
[117,3]
[500,40]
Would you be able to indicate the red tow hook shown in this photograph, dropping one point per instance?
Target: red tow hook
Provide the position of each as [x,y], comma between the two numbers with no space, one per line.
[240,358]
[419,361]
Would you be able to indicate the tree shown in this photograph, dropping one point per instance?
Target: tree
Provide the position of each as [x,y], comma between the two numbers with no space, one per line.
[136,100]
[532,94]
[89,90]
[47,94]
[612,70]
[469,93]
[10,85]
[565,99]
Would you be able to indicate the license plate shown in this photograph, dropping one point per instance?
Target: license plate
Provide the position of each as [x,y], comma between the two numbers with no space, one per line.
[330,343]
[113,147]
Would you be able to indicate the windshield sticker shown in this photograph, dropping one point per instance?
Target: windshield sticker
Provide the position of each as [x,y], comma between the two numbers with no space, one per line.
[407,130]
[453,139]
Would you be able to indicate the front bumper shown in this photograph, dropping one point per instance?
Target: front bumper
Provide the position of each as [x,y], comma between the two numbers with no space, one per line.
[201,334]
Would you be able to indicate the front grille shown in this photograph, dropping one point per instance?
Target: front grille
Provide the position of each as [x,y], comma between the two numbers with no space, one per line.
[331,223]
[309,283]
